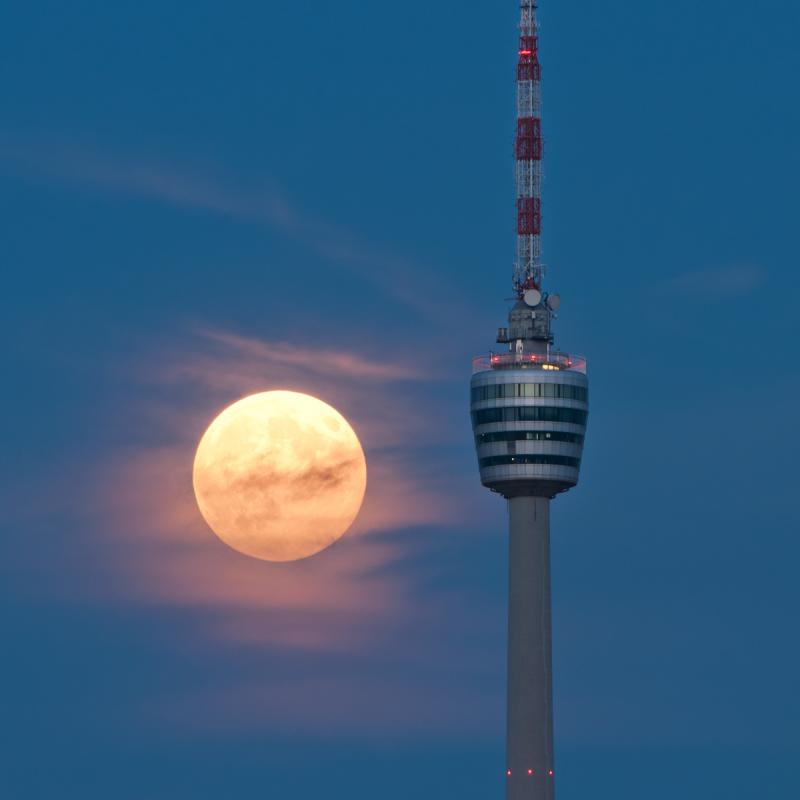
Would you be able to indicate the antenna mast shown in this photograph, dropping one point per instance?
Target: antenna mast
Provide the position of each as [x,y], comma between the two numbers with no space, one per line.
[529,149]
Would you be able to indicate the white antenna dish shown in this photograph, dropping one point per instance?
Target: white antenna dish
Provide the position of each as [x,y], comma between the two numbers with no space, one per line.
[554,302]
[532,298]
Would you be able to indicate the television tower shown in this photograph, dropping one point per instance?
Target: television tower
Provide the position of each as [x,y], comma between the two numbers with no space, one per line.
[529,407]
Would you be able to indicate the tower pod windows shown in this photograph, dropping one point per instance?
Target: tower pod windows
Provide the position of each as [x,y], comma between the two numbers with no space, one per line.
[529,436]
[489,416]
[557,461]
[503,391]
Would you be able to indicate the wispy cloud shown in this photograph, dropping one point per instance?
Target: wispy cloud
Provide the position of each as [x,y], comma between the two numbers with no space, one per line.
[394,275]
[725,282]
[281,356]
[357,638]
[388,704]
[162,550]
[220,367]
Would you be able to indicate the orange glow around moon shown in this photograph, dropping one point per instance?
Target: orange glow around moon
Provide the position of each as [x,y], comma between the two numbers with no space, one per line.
[279,476]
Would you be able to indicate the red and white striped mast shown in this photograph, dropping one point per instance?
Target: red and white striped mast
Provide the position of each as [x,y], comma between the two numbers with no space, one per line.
[529,149]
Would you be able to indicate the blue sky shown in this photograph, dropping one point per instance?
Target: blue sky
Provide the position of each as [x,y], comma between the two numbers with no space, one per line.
[202,202]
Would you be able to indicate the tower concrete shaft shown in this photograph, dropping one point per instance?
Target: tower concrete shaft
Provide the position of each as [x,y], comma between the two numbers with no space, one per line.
[530,685]
[530,407]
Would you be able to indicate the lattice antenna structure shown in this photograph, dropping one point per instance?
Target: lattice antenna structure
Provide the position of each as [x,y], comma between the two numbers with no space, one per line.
[529,150]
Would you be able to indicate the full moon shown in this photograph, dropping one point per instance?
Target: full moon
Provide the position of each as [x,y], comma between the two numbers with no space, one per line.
[279,476]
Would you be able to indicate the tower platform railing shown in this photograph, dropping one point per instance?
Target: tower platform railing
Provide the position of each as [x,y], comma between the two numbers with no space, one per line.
[556,361]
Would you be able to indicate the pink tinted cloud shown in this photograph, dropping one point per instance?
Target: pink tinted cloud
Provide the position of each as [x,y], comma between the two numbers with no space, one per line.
[163,552]
[374,703]
[373,392]
[319,361]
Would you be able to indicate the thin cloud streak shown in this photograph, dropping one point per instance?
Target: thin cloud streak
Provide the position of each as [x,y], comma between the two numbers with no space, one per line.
[317,703]
[723,283]
[320,361]
[222,367]
[395,276]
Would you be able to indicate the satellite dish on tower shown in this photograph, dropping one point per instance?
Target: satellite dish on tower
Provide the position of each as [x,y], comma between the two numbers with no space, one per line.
[554,302]
[532,298]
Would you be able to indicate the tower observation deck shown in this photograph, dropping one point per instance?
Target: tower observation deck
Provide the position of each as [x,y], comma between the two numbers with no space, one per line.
[529,404]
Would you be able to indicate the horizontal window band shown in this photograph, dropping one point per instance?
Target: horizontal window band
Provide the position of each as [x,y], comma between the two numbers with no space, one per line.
[489,416]
[505,461]
[529,436]
[504,391]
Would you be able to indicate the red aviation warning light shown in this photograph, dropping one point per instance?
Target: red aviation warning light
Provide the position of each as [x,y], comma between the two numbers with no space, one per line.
[528,68]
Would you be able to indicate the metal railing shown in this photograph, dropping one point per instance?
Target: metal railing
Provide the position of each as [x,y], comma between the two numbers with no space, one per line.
[555,361]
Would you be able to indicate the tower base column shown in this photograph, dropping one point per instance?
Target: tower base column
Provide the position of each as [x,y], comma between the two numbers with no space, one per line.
[530,767]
